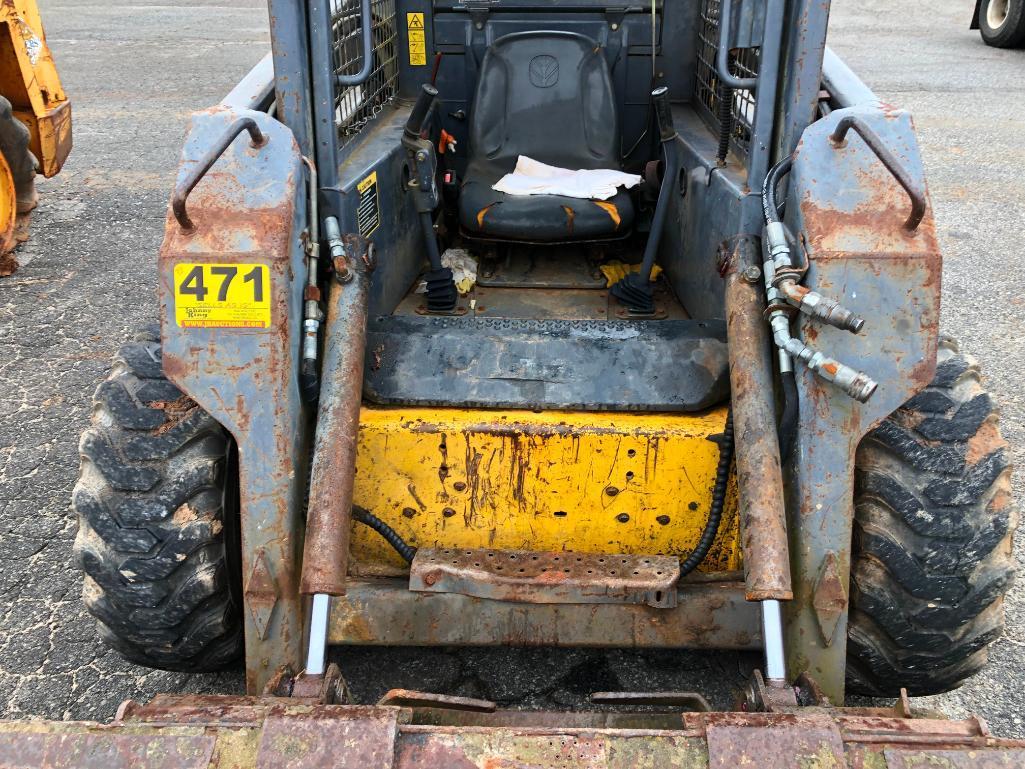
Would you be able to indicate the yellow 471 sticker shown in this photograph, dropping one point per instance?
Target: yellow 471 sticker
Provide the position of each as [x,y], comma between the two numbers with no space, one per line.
[222,295]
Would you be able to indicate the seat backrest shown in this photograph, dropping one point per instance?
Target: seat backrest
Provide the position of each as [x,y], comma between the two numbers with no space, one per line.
[547,95]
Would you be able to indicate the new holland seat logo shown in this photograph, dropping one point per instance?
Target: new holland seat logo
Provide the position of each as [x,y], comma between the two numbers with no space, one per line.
[544,71]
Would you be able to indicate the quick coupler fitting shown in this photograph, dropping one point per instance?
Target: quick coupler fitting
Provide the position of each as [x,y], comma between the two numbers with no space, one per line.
[814,304]
[855,383]
[804,299]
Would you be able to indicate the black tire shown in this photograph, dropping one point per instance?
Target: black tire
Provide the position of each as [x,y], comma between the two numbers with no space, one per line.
[14,144]
[934,519]
[157,505]
[1002,23]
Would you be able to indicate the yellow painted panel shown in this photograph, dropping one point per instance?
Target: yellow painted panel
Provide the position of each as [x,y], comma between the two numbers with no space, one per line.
[554,480]
[29,80]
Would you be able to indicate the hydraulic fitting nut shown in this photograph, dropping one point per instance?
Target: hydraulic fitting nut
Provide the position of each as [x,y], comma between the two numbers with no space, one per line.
[776,239]
[342,272]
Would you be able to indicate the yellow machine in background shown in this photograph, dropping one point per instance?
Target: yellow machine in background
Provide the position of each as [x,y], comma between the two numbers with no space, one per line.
[35,119]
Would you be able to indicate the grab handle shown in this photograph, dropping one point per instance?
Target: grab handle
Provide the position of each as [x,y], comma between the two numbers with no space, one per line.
[890,161]
[722,67]
[257,138]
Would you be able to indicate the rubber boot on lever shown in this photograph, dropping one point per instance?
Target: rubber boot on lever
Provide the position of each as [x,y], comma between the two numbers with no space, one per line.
[635,291]
[441,289]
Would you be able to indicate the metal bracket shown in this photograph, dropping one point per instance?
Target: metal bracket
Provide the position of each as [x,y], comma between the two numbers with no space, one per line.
[536,577]
[829,598]
[478,15]
[327,689]
[761,697]
[261,593]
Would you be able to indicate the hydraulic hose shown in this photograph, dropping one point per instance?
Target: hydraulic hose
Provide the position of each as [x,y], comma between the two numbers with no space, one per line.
[772,178]
[367,518]
[788,419]
[722,477]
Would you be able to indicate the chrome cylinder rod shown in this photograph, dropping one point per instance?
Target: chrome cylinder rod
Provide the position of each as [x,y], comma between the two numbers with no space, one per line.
[772,637]
[317,653]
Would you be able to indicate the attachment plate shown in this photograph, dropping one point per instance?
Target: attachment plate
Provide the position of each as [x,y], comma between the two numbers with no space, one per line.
[526,576]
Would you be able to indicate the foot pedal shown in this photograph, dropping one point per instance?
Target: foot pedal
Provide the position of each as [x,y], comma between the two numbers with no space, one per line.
[526,576]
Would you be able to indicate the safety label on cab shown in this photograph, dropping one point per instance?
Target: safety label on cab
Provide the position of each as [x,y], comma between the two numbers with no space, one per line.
[417,40]
[368,206]
[222,295]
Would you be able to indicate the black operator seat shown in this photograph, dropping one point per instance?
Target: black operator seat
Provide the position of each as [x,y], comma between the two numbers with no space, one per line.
[547,95]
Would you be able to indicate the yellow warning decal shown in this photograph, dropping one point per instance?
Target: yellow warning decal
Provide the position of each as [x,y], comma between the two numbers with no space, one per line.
[417,41]
[222,295]
[368,206]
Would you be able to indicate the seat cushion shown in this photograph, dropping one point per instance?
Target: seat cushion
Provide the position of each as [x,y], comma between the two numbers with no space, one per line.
[547,95]
[538,218]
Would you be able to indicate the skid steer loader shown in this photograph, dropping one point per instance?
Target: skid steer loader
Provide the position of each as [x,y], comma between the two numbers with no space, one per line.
[391,404]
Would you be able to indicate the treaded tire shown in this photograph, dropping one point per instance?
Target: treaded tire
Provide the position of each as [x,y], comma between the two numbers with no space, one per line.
[934,519]
[1008,33]
[156,501]
[14,144]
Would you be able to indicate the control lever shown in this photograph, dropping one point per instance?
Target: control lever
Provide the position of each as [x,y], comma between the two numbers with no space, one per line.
[635,290]
[423,162]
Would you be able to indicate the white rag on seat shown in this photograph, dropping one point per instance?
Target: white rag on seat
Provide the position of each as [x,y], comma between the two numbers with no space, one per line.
[532,177]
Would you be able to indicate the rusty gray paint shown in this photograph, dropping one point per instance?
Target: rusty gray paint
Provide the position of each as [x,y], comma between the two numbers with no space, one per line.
[250,210]
[712,615]
[851,214]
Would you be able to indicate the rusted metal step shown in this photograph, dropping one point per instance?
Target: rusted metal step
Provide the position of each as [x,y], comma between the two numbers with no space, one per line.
[436,732]
[526,576]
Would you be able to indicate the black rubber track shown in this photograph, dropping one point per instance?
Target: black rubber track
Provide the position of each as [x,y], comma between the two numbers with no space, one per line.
[14,144]
[933,524]
[156,504]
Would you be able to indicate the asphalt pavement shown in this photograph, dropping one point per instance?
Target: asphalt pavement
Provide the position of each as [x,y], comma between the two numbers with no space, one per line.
[135,70]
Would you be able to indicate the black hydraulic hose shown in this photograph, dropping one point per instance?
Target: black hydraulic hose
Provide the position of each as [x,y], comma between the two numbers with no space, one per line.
[722,477]
[787,429]
[309,381]
[788,419]
[367,518]
[772,178]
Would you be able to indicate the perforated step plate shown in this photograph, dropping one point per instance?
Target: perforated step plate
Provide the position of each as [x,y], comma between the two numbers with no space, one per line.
[526,576]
